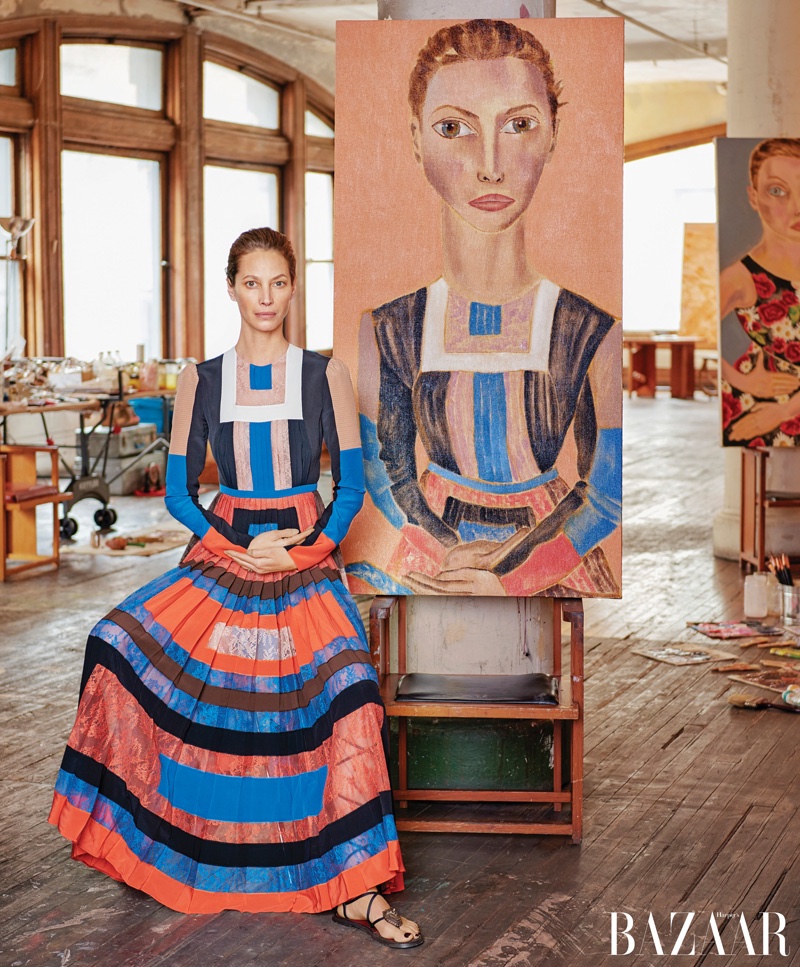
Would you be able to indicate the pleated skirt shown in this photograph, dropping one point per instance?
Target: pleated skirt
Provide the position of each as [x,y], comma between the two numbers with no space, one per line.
[230,746]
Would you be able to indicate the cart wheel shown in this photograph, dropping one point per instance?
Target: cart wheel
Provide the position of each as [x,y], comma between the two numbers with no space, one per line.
[69,528]
[105,518]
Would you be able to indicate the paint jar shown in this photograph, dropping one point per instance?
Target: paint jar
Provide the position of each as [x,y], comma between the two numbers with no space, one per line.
[790,610]
[792,696]
[774,595]
[755,595]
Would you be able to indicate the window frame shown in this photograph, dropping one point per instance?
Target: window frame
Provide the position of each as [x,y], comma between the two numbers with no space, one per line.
[45,122]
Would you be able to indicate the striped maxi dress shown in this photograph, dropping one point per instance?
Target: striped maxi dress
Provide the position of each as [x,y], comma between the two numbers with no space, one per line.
[229,750]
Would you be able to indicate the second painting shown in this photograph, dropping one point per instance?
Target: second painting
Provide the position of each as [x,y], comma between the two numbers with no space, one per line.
[478,228]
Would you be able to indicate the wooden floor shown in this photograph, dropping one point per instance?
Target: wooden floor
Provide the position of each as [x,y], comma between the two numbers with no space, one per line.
[690,804]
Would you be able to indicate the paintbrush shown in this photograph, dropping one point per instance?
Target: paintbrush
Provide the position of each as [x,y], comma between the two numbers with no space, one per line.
[753,702]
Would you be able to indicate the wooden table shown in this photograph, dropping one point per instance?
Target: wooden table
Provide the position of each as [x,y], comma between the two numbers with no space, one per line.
[642,367]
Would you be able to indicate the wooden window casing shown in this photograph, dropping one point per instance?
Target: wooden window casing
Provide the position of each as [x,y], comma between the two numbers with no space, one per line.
[44,123]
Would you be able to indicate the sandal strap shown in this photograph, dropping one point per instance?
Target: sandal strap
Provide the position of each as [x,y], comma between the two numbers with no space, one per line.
[369,907]
[372,893]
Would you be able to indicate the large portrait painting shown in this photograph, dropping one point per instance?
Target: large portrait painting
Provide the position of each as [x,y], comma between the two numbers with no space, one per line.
[758,187]
[478,260]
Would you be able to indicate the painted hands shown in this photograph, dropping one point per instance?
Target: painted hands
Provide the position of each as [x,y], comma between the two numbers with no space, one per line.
[467,568]
[762,418]
[463,580]
[267,552]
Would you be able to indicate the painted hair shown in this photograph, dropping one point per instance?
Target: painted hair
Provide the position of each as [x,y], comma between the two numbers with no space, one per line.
[260,240]
[479,40]
[772,148]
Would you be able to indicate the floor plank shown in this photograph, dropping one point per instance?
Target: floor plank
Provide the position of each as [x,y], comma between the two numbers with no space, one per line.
[690,803]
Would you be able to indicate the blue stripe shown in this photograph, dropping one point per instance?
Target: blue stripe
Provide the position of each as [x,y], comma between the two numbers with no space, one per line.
[376,479]
[178,502]
[242,799]
[348,494]
[484,320]
[494,488]
[378,579]
[225,879]
[268,494]
[491,447]
[261,377]
[473,530]
[261,456]
[601,515]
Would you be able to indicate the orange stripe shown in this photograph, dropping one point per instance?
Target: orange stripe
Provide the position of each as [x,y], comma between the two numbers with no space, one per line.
[353,753]
[108,852]
[215,542]
[190,615]
[307,555]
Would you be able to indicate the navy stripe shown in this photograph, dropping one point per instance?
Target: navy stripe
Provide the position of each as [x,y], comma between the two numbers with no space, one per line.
[231,741]
[215,852]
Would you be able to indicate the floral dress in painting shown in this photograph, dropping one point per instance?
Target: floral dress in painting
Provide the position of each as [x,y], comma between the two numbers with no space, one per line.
[773,325]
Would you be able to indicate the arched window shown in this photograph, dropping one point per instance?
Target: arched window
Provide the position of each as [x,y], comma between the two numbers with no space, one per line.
[142,150]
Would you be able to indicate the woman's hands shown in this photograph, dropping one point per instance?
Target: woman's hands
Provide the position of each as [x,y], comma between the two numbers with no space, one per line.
[267,552]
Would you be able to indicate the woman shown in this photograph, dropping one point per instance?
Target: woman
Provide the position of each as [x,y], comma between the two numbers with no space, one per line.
[508,381]
[760,390]
[229,748]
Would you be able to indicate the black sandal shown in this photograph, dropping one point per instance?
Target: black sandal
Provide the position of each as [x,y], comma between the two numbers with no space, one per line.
[390,915]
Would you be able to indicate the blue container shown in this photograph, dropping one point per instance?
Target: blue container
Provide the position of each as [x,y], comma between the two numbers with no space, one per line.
[151,410]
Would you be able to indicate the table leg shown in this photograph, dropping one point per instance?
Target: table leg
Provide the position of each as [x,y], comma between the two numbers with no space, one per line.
[682,371]
[643,370]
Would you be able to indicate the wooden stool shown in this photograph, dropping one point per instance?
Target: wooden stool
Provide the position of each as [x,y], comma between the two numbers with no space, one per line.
[565,713]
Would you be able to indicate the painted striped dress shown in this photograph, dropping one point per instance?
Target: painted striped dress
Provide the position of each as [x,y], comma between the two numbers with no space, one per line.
[229,750]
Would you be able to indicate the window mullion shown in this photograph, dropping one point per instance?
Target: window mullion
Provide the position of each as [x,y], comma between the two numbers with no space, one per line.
[293,114]
[43,287]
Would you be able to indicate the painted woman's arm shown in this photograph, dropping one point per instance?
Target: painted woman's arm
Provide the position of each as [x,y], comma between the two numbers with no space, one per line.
[340,432]
[592,510]
[389,434]
[187,457]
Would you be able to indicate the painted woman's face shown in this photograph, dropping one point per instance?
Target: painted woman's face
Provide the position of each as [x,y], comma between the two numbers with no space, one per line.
[485,134]
[776,197]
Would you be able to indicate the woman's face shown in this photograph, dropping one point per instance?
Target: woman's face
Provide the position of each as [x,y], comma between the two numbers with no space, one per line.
[776,196]
[485,134]
[262,290]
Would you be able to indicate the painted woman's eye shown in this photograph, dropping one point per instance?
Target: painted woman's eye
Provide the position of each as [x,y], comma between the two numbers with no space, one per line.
[519,126]
[452,129]
[776,191]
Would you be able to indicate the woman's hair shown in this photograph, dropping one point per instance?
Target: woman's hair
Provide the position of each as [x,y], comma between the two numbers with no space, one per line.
[772,148]
[479,40]
[260,240]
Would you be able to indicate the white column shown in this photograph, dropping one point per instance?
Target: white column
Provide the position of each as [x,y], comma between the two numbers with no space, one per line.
[763,102]
[499,636]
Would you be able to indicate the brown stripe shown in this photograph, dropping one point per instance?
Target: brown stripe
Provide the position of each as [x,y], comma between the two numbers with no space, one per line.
[261,588]
[229,697]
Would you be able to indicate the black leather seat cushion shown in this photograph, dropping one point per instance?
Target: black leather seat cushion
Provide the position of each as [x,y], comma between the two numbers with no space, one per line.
[533,689]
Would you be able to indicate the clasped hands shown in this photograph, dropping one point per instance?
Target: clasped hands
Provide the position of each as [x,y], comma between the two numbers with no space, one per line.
[467,568]
[267,552]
